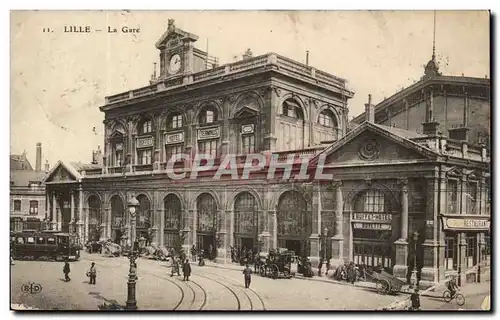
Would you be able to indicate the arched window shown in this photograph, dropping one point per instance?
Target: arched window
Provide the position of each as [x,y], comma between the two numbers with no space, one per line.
[146,126]
[117,212]
[207,213]
[327,119]
[208,115]
[172,206]
[173,213]
[175,121]
[143,214]
[294,224]
[292,109]
[94,217]
[245,214]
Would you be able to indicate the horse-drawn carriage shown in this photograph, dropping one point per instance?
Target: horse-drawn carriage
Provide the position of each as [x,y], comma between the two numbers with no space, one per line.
[278,264]
[155,252]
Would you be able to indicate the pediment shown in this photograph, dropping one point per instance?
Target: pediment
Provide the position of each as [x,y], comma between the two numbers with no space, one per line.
[117,135]
[174,36]
[63,173]
[247,111]
[370,144]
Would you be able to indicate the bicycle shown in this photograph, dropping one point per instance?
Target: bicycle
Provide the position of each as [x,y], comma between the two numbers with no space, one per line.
[458,297]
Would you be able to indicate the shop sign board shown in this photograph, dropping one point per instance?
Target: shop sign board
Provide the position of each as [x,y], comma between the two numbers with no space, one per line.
[372,226]
[465,224]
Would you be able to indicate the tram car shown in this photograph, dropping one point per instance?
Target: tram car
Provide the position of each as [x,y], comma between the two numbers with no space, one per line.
[45,245]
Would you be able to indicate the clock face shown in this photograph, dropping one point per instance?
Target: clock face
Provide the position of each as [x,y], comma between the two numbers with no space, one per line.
[174,64]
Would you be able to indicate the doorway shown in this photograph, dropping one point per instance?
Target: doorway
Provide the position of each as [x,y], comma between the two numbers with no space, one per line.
[204,241]
[247,243]
[294,245]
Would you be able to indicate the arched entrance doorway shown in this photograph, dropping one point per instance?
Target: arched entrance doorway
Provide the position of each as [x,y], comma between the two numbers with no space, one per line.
[117,219]
[172,210]
[206,224]
[143,217]
[245,221]
[374,229]
[95,218]
[294,224]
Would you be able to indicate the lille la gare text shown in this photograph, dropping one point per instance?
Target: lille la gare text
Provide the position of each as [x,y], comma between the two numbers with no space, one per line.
[88,29]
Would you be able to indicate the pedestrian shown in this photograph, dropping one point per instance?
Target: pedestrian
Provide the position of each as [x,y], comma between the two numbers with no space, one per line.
[247,272]
[186,270]
[415,300]
[320,265]
[351,272]
[66,270]
[193,252]
[175,267]
[92,273]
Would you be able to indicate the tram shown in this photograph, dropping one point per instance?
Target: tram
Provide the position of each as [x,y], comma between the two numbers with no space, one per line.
[45,245]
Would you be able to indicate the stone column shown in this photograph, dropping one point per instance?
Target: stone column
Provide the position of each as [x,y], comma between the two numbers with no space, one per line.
[316,226]
[226,127]
[53,212]
[433,245]
[80,213]
[230,213]
[462,258]
[194,224]
[275,228]
[59,218]
[265,236]
[222,236]
[162,229]
[463,190]
[109,223]
[482,197]
[130,147]
[338,236]
[272,99]
[400,268]
[187,226]
[86,221]
[157,147]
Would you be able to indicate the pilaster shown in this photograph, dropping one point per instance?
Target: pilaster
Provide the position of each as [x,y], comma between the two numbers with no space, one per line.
[337,241]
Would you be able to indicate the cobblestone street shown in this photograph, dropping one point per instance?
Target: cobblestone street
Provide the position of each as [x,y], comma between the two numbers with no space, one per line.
[209,288]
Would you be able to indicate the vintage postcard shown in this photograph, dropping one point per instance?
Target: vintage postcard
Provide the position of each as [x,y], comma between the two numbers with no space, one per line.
[250,160]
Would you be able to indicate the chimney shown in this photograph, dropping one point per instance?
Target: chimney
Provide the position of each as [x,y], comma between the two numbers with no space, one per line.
[38,164]
[369,110]
[47,167]
[307,57]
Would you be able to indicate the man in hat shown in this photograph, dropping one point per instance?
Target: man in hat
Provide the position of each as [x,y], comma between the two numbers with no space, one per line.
[92,273]
[66,270]
[186,270]
[247,272]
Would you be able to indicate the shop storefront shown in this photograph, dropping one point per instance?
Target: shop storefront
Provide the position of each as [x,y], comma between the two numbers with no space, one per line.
[464,243]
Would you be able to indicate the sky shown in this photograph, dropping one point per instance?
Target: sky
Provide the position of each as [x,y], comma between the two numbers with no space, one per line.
[59,80]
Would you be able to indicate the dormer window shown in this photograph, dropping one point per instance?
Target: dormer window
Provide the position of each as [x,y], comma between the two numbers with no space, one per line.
[175,121]
[326,119]
[208,115]
[292,110]
[146,127]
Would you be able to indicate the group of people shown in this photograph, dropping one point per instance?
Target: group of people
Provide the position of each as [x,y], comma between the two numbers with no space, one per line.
[242,256]
[91,273]
[202,254]
[186,267]
[349,272]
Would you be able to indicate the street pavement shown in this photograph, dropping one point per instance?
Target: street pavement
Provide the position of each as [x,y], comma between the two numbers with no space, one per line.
[211,287]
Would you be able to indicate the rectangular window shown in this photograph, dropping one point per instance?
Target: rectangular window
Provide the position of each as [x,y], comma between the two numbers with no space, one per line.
[209,116]
[449,253]
[51,240]
[471,197]
[452,196]
[17,205]
[118,158]
[248,144]
[144,156]
[33,207]
[177,121]
[374,201]
[208,147]
[40,240]
[147,126]
[471,251]
[20,240]
[30,240]
[174,149]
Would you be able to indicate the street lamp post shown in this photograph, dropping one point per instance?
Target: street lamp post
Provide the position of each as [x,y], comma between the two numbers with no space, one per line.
[131,303]
[414,272]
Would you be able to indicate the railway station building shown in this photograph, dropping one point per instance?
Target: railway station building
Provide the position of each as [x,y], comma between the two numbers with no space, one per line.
[297,177]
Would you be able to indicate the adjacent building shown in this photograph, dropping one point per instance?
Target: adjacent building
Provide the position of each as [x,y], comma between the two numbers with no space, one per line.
[360,196]
[27,192]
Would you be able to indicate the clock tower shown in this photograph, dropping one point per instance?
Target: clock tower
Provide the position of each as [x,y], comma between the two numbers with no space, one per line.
[177,52]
